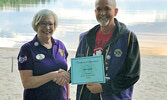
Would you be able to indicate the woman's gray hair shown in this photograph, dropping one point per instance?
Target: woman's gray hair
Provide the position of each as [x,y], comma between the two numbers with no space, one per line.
[41,15]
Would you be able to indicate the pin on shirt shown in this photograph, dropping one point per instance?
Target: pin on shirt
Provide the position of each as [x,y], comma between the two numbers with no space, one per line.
[36,43]
[40,56]
[99,52]
[108,57]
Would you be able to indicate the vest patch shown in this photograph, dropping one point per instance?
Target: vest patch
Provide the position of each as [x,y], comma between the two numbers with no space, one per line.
[118,52]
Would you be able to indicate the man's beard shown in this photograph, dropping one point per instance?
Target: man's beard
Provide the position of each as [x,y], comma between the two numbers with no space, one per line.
[103,20]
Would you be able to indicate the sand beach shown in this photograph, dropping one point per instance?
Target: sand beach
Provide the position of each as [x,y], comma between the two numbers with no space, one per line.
[151,86]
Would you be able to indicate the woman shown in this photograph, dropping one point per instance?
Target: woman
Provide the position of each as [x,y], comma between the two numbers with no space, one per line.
[42,62]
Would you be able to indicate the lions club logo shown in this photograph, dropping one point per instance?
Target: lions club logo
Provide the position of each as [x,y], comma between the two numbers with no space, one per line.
[118,52]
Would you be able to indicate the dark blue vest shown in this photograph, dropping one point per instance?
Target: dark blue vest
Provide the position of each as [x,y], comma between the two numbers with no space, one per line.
[114,59]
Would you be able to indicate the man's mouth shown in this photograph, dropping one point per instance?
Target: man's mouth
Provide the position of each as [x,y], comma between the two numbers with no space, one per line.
[103,17]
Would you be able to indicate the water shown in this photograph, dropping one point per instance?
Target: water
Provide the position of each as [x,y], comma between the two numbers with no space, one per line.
[147,18]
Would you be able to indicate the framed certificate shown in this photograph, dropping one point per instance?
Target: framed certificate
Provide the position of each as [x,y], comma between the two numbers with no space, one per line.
[87,69]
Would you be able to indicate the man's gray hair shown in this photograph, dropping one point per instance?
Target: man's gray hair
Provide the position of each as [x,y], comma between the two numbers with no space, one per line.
[41,15]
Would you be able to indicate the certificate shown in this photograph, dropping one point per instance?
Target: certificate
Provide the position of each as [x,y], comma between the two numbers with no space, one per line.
[87,69]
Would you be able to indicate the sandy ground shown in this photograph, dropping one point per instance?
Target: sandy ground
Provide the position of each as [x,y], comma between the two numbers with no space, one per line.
[151,86]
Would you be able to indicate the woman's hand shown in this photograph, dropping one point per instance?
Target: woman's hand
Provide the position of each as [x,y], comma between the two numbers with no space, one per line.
[62,78]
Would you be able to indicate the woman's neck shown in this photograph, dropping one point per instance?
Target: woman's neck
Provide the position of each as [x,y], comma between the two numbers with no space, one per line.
[45,42]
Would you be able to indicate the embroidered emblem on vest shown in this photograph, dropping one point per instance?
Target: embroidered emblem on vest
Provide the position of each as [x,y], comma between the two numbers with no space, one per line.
[40,56]
[61,52]
[118,52]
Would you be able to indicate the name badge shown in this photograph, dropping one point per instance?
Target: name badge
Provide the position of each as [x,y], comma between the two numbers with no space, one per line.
[40,56]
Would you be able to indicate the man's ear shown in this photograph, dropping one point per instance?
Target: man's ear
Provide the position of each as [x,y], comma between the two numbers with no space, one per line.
[116,11]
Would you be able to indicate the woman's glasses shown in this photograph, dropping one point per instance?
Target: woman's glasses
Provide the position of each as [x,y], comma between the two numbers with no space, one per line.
[44,24]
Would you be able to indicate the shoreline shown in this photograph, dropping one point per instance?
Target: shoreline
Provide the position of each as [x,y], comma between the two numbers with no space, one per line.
[152,51]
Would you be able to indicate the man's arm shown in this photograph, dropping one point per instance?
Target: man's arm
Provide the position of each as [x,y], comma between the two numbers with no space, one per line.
[129,72]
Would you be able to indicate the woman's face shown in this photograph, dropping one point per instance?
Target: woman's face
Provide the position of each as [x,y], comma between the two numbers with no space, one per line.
[46,27]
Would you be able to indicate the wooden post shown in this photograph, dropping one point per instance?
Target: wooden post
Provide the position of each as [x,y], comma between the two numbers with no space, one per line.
[12,66]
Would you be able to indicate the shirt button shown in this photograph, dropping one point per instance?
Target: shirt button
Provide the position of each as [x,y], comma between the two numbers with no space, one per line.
[106,68]
[106,74]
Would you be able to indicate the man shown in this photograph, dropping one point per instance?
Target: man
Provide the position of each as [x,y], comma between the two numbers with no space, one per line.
[120,50]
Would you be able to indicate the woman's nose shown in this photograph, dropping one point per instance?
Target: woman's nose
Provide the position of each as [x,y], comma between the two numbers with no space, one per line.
[47,26]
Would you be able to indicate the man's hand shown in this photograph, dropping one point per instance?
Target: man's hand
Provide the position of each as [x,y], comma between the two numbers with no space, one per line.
[94,87]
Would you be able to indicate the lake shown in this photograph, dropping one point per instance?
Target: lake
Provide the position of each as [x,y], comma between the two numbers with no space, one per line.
[147,18]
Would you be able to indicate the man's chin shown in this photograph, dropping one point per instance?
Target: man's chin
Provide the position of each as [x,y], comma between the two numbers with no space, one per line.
[103,23]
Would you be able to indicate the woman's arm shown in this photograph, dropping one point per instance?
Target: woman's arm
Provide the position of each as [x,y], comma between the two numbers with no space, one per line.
[68,92]
[30,81]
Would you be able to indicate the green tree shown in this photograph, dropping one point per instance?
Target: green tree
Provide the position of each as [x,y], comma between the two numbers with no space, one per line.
[16,4]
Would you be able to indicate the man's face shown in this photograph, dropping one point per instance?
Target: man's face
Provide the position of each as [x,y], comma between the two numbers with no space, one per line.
[105,12]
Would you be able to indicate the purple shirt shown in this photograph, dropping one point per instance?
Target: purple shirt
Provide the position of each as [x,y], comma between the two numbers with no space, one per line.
[34,56]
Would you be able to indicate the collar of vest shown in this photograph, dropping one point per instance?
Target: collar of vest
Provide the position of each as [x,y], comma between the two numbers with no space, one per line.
[91,35]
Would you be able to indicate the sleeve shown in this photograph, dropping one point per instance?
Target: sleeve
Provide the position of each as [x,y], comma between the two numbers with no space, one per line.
[25,59]
[66,53]
[129,72]
[82,35]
